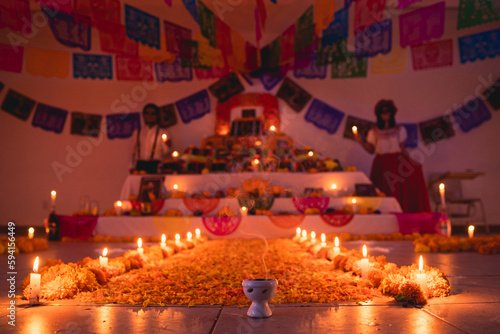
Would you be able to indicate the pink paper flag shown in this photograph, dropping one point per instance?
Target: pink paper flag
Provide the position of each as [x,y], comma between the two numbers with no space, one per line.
[113,39]
[63,6]
[402,4]
[11,60]
[287,45]
[421,25]
[432,55]
[15,15]
[133,68]
[367,12]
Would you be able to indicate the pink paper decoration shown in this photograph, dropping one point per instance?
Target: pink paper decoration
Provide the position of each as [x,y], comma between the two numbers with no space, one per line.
[287,221]
[15,15]
[422,24]
[367,12]
[113,39]
[337,218]
[221,226]
[205,205]
[11,60]
[432,55]
[63,6]
[301,204]
[133,68]
[402,4]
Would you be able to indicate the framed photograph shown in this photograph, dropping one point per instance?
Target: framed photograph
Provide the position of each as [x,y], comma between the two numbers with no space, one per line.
[364,190]
[151,187]
[168,117]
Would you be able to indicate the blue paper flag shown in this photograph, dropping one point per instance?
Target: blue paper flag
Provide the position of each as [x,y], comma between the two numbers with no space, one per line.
[122,125]
[192,9]
[66,30]
[270,80]
[92,66]
[479,46]
[324,116]
[412,131]
[305,66]
[194,106]
[471,115]
[142,27]
[173,72]
[49,118]
[375,39]
[337,29]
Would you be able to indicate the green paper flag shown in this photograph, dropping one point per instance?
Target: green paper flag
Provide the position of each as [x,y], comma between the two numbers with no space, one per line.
[207,23]
[475,12]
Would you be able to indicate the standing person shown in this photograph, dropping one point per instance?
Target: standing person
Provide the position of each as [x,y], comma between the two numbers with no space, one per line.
[151,142]
[393,171]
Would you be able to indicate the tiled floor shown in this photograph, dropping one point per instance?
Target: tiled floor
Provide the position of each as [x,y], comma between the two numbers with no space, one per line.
[473,307]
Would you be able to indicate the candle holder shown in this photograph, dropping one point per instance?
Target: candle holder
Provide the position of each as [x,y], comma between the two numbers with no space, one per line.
[260,291]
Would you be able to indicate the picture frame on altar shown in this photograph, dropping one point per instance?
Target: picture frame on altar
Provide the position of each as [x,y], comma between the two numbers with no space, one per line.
[152,187]
[364,190]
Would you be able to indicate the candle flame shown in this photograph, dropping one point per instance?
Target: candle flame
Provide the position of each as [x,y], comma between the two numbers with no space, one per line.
[256,161]
[471,228]
[298,230]
[139,243]
[164,137]
[272,128]
[310,153]
[244,208]
[189,235]
[313,235]
[175,154]
[323,237]
[421,263]
[176,186]
[35,265]
[119,204]
[365,251]
[336,241]
[104,252]
[177,237]
[353,201]
[163,238]
[304,234]
[334,186]
[354,129]
[197,231]
[441,186]
[32,230]
[53,193]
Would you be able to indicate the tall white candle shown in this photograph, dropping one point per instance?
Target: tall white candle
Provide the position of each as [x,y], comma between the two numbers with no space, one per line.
[304,235]
[441,193]
[118,208]
[323,240]
[313,237]
[422,277]
[53,198]
[354,206]
[31,233]
[140,250]
[336,249]
[34,296]
[244,211]
[103,260]
[364,264]
[355,130]
[334,190]
[471,231]
[198,233]
[189,236]
[178,239]
[163,241]
[298,231]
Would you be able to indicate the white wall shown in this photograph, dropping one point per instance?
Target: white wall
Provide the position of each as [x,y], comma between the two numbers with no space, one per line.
[28,153]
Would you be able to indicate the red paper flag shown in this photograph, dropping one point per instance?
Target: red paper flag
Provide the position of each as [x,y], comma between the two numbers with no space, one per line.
[15,15]
[11,60]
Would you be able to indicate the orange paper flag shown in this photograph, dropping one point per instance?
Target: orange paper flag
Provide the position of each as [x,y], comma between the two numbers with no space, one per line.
[324,11]
[47,63]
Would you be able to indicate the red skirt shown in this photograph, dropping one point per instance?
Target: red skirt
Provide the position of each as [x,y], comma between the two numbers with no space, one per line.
[401,177]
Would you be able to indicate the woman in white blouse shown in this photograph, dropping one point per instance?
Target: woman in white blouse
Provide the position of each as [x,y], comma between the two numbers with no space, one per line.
[393,171]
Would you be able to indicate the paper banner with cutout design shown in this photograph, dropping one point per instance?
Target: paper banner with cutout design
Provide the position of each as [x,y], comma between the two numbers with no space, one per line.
[323,14]
[221,226]
[174,34]
[337,218]
[47,63]
[367,12]
[412,134]
[306,66]
[122,125]
[304,33]
[270,80]
[108,11]
[393,62]
[194,106]
[352,67]
[270,56]
[113,39]
[63,6]
[402,4]
[207,23]
[287,221]
[432,55]
[15,15]
[66,30]
[224,42]
[172,225]
[475,12]
[436,129]
[173,72]
[156,55]
[11,59]
[471,115]
[192,9]
[142,27]
[492,95]
[335,53]
[421,25]
[363,127]
[479,46]
[370,42]
[337,30]
[204,205]
[324,116]
[301,204]
[226,87]
[18,105]
[92,66]
[85,124]
[287,41]
[49,118]
[133,68]
[294,95]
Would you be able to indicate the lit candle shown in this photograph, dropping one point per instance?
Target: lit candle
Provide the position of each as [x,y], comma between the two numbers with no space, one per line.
[175,154]
[163,241]
[471,231]
[35,284]
[118,208]
[421,277]
[198,233]
[140,250]
[272,128]
[164,138]
[103,260]
[323,240]
[336,249]
[298,230]
[355,130]
[31,233]
[334,189]
[365,264]
[304,235]
[178,239]
[354,206]
[53,198]
[313,237]
[310,153]
[441,192]
[244,210]
[189,236]
[176,186]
